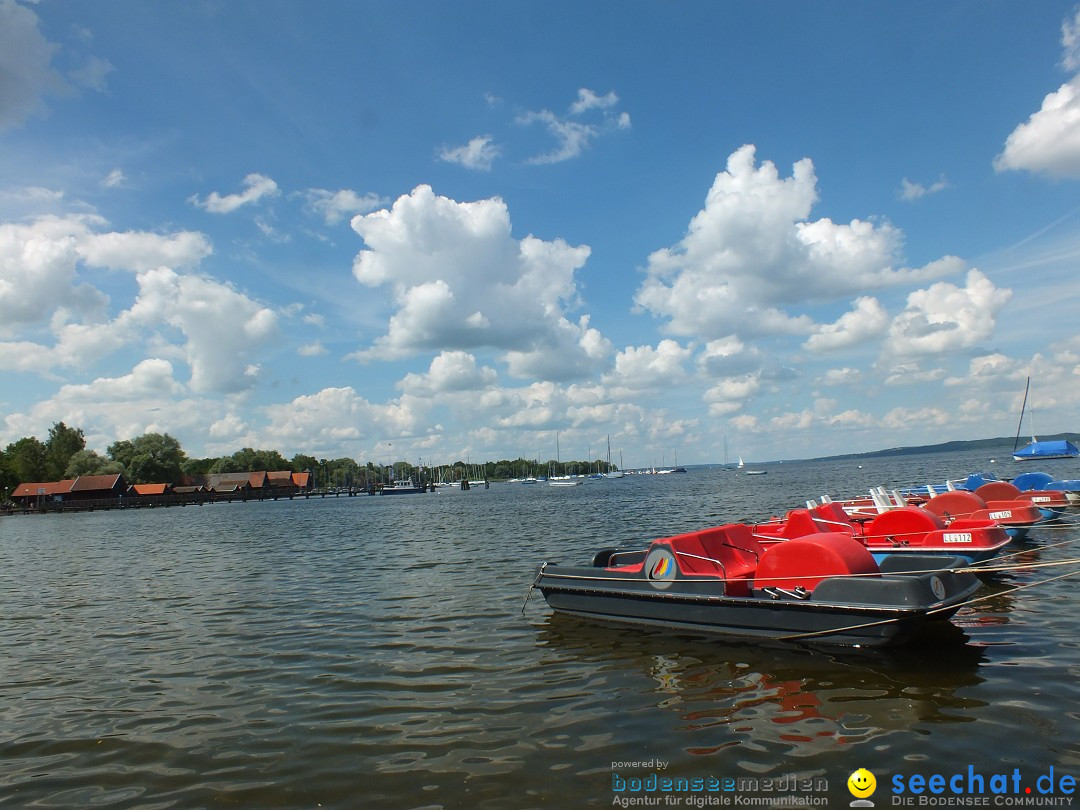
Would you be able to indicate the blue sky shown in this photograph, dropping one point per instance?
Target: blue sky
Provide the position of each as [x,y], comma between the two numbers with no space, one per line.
[443,231]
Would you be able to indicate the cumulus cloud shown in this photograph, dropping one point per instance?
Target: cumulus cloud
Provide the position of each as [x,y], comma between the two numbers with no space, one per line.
[223,329]
[867,321]
[39,273]
[479,153]
[752,256]
[26,74]
[450,373]
[460,280]
[334,206]
[256,187]
[648,367]
[1049,141]
[945,318]
[729,395]
[728,357]
[333,416]
[139,250]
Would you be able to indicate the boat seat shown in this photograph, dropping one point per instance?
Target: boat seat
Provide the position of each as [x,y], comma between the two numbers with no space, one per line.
[904,525]
[725,552]
[833,513]
[804,561]
[801,522]
[998,491]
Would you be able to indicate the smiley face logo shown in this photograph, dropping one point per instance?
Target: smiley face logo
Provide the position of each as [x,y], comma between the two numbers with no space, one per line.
[862,784]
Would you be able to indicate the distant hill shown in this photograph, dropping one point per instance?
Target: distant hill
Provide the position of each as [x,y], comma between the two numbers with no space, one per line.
[1002,446]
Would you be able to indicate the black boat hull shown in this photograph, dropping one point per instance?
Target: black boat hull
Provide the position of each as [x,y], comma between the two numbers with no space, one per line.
[846,610]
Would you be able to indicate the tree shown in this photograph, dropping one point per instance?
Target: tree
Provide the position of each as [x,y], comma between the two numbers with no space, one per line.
[27,461]
[303,463]
[226,464]
[153,458]
[88,462]
[62,444]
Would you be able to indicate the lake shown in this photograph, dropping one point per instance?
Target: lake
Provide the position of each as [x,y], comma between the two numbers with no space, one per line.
[372,652]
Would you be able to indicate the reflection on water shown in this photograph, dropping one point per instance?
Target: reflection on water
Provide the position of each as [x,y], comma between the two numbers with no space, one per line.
[783,699]
[372,652]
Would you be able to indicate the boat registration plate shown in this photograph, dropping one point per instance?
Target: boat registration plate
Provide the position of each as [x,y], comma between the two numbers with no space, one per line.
[1040,499]
[1001,515]
[957,537]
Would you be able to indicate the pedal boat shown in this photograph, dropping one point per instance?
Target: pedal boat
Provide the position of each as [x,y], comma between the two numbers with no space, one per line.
[821,588]
[1016,517]
[901,530]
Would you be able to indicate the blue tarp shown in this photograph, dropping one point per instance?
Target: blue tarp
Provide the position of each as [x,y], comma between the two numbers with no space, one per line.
[1049,449]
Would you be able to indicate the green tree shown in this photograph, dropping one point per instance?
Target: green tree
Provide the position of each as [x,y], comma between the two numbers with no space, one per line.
[302,463]
[251,460]
[27,461]
[89,462]
[62,444]
[226,464]
[153,458]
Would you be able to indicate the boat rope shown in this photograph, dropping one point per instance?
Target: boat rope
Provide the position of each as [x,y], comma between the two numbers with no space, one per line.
[969,602]
[529,593]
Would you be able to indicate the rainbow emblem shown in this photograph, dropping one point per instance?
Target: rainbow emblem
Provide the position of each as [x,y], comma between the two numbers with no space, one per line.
[660,570]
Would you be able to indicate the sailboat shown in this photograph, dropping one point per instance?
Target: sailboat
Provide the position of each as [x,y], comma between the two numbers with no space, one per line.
[561,480]
[1035,449]
[610,472]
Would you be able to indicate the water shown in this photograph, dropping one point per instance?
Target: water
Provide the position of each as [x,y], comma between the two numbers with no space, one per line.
[371,652]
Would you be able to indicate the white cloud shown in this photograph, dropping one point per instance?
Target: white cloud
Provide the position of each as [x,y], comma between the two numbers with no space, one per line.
[728,357]
[729,395]
[38,273]
[751,257]
[311,349]
[914,191]
[256,187]
[479,154]
[92,73]
[944,317]
[139,250]
[334,206]
[573,137]
[459,280]
[1070,42]
[223,329]
[841,376]
[114,179]
[866,322]
[334,416]
[588,100]
[1049,142]
[25,64]
[645,367]
[450,373]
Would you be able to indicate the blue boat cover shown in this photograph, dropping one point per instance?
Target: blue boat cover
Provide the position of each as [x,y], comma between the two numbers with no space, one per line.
[1048,449]
[1025,482]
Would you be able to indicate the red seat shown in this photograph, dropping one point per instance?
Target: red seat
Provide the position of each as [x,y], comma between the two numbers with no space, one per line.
[805,561]
[727,552]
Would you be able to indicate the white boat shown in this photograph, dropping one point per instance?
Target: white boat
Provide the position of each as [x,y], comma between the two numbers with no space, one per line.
[561,480]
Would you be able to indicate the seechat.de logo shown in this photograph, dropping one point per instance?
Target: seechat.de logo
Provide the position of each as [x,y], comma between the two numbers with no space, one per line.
[862,785]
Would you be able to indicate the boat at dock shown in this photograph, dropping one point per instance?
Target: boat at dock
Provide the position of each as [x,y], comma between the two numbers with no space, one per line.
[901,530]
[824,587]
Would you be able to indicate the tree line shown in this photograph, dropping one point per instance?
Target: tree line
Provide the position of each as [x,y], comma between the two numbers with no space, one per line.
[158,458]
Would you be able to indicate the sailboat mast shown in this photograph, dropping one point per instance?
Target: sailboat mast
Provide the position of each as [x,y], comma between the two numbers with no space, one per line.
[1020,424]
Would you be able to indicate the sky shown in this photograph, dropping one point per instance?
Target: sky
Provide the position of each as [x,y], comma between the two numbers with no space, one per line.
[433,231]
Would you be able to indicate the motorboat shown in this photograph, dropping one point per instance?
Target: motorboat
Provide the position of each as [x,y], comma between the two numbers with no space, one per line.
[402,486]
[824,587]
